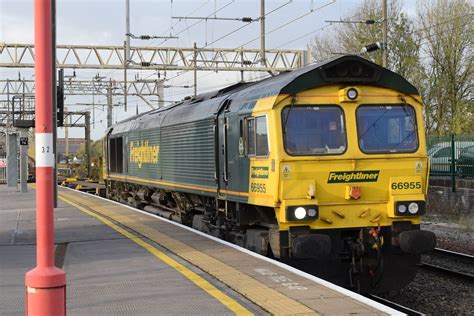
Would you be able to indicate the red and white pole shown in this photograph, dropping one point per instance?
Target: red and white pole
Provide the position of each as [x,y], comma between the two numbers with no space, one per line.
[45,284]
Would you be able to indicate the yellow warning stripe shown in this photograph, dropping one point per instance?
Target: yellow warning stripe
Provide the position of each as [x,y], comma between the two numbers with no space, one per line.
[227,301]
[269,299]
[177,185]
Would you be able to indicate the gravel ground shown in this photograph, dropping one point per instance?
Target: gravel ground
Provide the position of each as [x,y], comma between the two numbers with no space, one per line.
[452,236]
[437,294]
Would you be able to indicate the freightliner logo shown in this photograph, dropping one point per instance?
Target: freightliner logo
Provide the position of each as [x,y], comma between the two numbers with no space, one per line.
[353,176]
[259,172]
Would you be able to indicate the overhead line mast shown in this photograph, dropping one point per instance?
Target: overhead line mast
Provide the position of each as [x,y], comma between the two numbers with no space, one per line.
[127,59]
[262,32]
[385,35]
[127,49]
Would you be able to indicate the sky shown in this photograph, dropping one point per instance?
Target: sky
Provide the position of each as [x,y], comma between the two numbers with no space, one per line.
[103,23]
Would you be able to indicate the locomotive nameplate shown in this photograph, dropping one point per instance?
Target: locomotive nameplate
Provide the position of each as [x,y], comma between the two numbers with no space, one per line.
[353,176]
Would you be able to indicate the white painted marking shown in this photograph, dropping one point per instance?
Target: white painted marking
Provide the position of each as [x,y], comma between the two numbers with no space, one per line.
[329,285]
[283,280]
[44,150]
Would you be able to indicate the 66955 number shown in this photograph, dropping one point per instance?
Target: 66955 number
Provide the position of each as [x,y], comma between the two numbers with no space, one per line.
[406,185]
[258,187]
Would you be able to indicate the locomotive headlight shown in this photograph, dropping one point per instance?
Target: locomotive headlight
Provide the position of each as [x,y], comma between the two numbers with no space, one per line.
[402,208]
[413,208]
[312,212]
[410,208]
[300,213]
[352,94]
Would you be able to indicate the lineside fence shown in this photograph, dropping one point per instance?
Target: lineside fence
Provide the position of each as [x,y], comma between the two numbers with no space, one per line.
[451,157]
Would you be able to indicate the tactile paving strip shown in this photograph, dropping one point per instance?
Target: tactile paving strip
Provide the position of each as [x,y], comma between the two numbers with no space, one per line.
[269,299]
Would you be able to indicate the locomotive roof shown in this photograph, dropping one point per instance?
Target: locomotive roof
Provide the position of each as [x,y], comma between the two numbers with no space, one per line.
[348,69]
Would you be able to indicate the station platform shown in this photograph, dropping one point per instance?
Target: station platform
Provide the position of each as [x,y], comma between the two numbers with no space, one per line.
[123,261]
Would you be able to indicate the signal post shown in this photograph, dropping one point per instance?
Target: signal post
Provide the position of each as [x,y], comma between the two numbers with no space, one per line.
[45,284]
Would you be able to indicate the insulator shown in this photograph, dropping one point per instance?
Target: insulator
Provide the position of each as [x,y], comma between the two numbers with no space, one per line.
[247,19]
[145,37]
[370,22]
[146,64]
[247,62]
[372,47]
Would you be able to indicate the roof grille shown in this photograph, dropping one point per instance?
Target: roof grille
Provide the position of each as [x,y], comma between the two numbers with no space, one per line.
[350,70]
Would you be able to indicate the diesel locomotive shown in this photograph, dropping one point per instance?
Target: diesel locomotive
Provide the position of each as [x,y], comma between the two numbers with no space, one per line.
[323,167]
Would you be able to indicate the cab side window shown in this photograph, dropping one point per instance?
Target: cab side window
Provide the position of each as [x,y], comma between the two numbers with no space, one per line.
[250,136]
[261,136]
[256,135]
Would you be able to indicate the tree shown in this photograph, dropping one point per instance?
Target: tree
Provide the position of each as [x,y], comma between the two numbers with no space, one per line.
[349,38]
[433,52]
[404,50]
[446,34]
[403,46]
[96,159]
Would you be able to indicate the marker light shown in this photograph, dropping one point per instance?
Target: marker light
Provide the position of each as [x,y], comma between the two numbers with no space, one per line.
[312,212]
[352,94]
[300,212]
[413,208]
[402,208]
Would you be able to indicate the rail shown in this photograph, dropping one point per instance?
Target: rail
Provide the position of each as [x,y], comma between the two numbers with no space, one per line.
[457,259]
[398,307]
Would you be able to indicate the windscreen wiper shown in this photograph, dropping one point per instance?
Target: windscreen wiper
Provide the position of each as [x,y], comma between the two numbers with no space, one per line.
[373,124]
[288,115]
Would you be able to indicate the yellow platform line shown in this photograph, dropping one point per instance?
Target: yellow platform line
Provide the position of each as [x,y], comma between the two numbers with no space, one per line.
[269,299]
[227,301]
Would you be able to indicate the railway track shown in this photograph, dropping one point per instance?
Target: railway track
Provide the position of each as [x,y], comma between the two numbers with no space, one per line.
[398,307]
[454,254]
[451,263]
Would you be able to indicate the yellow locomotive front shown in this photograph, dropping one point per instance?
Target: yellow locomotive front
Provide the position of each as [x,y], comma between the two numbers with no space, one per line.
[353,177]
[356,159]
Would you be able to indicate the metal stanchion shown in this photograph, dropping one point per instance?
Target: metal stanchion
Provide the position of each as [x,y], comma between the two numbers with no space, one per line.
[45,284]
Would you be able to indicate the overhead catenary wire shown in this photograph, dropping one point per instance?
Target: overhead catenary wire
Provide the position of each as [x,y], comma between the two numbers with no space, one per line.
[198,22]
[249,23]
[311,11]
[232,32]
[319,29]
[108,74]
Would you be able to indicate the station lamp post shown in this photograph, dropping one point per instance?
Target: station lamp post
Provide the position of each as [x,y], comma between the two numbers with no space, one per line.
[45,284]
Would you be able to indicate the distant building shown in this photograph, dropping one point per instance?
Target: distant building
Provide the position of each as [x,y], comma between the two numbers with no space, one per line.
[74,145]
[3,148]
